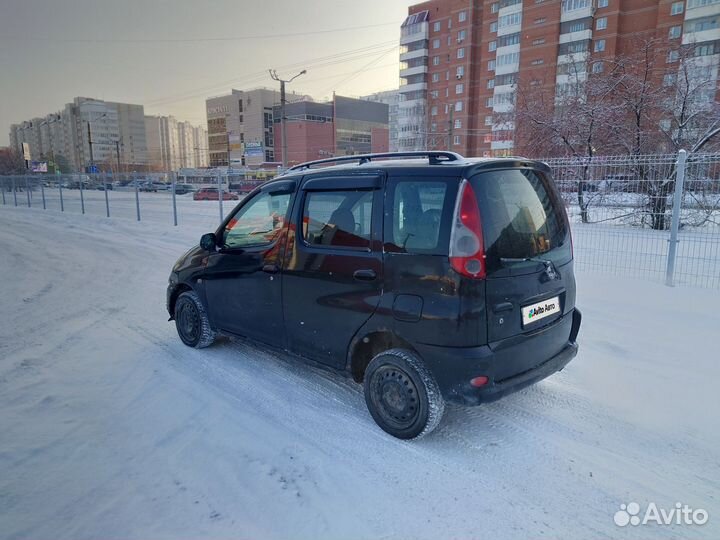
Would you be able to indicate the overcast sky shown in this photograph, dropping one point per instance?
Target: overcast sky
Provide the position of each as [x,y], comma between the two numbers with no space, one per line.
[169,55]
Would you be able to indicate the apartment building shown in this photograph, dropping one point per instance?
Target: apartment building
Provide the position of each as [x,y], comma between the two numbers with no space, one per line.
[86,132]
[462,61]
[241,117]
[391,98]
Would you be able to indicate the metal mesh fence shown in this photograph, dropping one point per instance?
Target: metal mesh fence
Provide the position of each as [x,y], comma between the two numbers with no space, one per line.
[621,209]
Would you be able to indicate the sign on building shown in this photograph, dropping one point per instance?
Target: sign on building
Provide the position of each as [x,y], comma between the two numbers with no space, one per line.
[254,149]
[26,151]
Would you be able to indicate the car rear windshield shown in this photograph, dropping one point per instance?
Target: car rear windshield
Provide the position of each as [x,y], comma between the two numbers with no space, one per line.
[522,217]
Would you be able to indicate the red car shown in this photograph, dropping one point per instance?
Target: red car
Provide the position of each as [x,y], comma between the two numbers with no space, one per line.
[211,194]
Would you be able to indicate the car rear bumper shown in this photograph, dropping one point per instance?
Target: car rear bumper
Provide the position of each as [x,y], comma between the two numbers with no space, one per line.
[455,367]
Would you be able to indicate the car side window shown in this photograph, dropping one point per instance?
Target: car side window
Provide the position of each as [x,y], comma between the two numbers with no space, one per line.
[338,218]
[257,222]
[417,224]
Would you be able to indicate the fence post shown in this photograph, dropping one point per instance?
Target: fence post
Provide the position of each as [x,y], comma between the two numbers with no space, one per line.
[220,195]
[107,197]
[14,191]
[27,191]
[42,192]
[82,197]
[62,203]
[137,197]
[675,223]
[174,181]
[2,188]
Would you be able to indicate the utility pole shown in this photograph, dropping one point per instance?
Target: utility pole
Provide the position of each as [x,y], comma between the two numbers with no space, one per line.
[283,132]
[117,154]
[90,145]
[451,125]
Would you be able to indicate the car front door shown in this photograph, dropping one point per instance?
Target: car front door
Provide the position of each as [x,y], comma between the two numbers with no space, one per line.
[242,279]
[332,275]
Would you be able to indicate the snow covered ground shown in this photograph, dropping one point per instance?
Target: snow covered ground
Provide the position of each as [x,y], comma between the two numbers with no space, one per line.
[111,428]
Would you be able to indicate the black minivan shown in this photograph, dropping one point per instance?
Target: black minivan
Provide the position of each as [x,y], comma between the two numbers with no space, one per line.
[426,276]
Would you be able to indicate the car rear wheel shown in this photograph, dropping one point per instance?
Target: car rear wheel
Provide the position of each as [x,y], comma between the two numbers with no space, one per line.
[402,395]
[191,321]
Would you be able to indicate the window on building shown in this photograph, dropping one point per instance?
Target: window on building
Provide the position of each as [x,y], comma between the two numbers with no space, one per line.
[492,46]
[447,75]
[675,32]
[461,36]
[459,88]
[491,84]
[461,52]
[493,26]
[538,41]
[488,120]
[462,16]
[435,77]
[673,56]
[434,94]
[602,3]
[491,65]
[449,23]
[597,67]
[601,23]
[436,43]
[436,60]
[677,8]
[572,5]
[508,59]
[436,26]
[599,45]
[449,40]
[458,123]
[337,218]
[459,71]
[510,39]
[456,140]
[707,49]
[458,106]
[669,79]
[540,20]
[701,25]
[537,62]
[240,106]
[489,102]
[494,7]
[433,110]
[433,127]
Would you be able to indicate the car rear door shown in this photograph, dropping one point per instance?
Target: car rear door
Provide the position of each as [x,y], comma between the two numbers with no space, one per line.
[242,279]
[530,285]
[332,276]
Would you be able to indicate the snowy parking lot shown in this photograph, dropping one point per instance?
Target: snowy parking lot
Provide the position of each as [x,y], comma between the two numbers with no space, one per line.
[111,428]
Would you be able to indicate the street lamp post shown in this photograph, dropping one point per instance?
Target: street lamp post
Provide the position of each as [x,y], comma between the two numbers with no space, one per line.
[92,161]
[283,132]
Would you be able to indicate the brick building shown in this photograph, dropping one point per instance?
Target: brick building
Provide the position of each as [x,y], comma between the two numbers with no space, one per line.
[463,60]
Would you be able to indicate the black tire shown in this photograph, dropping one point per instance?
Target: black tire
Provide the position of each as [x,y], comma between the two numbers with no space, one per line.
[191,321]
[402,395]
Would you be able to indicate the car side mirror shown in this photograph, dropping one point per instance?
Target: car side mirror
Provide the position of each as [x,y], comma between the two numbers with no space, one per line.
[208,242]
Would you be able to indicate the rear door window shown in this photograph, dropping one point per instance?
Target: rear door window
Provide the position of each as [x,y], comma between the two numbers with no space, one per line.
[338,218]
[418,216]
[522,218]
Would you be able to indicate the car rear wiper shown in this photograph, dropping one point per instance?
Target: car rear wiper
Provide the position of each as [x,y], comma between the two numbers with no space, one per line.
[512,260]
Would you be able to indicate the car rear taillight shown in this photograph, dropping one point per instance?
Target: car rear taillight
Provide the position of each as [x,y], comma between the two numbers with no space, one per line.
[467,252]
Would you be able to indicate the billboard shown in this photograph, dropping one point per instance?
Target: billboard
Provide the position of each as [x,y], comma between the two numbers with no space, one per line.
[26,151]
[254,149]
[39,166]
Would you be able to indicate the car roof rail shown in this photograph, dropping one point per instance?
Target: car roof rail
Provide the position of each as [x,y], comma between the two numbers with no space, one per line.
[435,157]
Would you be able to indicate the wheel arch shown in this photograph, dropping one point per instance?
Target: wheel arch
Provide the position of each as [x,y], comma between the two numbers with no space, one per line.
[177,291]
[364,348]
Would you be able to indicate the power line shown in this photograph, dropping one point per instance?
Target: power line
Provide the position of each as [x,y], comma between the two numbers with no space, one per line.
[193,40]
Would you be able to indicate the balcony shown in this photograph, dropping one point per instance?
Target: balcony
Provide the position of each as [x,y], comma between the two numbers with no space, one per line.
[701,11]
[413,33]
[573,57]
[507,68]
[698,37]
[414,87]
[502,145]
[412,55]
[417,70]
[576,36]
[576,13]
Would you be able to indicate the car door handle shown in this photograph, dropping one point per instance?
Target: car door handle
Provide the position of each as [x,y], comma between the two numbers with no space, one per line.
[502,306]
[270,268]
[364,275]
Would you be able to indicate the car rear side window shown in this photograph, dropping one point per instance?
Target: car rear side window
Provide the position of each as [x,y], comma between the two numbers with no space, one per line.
[522,216]
[419,222]
[258,222]
[338,218]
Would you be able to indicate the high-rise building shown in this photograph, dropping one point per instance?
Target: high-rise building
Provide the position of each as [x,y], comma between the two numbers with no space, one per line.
[343,126]
[234,120]
[463,62]
[173,145]
[86,132]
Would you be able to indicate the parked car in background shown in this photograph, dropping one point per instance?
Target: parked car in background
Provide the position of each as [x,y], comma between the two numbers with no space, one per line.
[182,189]
[146,186]
[212,194]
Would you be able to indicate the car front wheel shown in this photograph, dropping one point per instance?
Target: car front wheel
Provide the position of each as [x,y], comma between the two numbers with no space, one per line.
[402,395]
[191,321]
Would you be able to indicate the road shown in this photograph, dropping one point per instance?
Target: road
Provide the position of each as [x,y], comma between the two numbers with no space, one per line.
[111,428]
